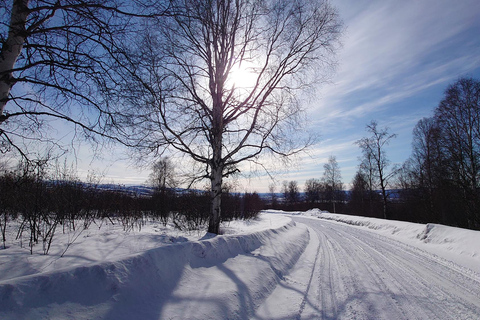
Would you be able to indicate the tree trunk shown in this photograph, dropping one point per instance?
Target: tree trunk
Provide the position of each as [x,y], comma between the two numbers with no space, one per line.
[384,200]
[11,50]
[217,163]
[216,166]
[216,193]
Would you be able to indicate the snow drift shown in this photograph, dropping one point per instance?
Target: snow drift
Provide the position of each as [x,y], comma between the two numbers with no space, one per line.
[198,279]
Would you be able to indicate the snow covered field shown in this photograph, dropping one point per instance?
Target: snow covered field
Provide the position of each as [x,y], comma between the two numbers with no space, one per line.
[276,267]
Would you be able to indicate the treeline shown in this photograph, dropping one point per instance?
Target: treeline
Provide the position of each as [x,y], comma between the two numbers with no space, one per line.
[439,183]
[326,193]
[38,206]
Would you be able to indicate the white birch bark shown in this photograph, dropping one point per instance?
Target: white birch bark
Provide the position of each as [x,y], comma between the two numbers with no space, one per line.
[11,50]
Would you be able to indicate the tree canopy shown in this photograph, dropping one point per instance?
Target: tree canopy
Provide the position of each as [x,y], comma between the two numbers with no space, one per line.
[183,94]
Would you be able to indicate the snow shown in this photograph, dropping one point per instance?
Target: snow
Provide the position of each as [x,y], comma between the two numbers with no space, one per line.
[97,244]
[118,275]
[353,273]
[461,246]
[257,269]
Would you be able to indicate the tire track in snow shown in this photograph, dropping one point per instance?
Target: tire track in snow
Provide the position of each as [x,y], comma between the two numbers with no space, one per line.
[305,296]
[323,281]
[359,278]
[443,283]
[363,275]
[386,278]
[328,280]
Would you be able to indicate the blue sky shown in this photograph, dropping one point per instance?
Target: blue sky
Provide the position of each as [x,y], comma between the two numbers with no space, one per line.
[397,59]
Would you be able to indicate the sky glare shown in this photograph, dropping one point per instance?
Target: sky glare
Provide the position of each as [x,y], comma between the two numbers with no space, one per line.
[397,59]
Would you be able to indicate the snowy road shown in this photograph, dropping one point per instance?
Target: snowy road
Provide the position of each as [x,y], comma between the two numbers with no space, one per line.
[349,273]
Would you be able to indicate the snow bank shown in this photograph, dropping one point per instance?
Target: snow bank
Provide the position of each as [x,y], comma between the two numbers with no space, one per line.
[223,277]
[454,244]
[107,242]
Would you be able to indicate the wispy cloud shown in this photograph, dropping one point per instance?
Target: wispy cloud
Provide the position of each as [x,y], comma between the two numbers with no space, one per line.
[397,59]
[393,50]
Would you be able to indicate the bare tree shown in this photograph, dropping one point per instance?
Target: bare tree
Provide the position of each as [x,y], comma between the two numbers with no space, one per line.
[440,180]
[314,189]
[56,62]
[162,178]
[375,159]
[427,154]
[7,192]
[291,192]
[364,199]
[458,116]
[273,195]
[285,191]
[333,181]
[186,96]
[163,174]
[425,171]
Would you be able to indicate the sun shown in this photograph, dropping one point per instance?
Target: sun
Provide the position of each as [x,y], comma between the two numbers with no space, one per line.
[243,76]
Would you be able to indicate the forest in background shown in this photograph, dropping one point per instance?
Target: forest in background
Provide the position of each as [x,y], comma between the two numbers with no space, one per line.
[438,183]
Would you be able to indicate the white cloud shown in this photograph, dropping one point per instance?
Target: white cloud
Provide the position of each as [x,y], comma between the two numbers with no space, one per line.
[399,48]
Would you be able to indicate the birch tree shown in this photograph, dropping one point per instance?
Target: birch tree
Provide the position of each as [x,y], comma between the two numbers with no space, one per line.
[187,94]
[332,180]
[375,160]
[56,62]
